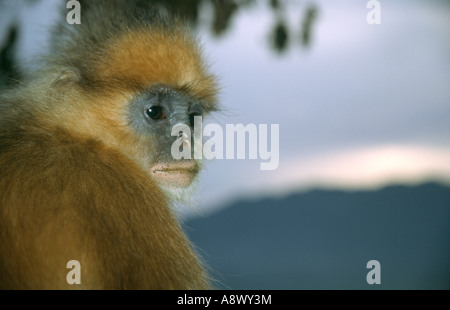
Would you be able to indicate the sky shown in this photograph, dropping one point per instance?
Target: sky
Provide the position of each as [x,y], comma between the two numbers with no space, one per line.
[362,107]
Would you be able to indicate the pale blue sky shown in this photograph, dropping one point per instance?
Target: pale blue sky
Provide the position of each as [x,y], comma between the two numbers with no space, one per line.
[362,106]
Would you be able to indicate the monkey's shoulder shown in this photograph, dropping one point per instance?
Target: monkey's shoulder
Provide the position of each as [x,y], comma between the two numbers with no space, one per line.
[38,156]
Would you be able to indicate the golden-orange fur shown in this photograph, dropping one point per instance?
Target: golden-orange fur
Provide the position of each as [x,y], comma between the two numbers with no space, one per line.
[159,58]
[73,198]
[74,179]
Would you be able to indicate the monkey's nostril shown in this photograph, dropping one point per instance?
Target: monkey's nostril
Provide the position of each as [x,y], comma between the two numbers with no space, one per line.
[183,136]
[185,139]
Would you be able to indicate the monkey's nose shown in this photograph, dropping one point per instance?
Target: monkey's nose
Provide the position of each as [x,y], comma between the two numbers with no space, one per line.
[185,139]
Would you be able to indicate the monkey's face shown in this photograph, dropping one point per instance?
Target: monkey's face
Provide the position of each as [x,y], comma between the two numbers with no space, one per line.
[132,93]
[153,115]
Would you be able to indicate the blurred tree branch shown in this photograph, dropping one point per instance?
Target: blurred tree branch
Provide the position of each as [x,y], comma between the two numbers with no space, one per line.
[9,72]
[225,10]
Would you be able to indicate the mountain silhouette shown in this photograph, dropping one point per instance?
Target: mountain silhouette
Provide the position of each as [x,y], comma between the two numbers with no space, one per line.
[323,239]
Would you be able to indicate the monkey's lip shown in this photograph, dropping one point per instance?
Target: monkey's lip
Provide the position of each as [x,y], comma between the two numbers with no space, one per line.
[176,174]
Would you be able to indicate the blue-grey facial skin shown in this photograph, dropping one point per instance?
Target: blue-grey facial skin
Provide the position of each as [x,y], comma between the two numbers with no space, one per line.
[177,108]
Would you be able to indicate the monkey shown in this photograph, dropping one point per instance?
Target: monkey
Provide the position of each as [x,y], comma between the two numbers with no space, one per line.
[86,171]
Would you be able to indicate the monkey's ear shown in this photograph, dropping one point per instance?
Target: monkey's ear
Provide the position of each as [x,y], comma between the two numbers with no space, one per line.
[63,82]
[67,76]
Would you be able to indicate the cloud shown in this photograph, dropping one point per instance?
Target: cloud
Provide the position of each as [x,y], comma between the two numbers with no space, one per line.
[368,167]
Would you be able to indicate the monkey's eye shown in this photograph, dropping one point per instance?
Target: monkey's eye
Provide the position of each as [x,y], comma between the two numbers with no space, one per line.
[155,113]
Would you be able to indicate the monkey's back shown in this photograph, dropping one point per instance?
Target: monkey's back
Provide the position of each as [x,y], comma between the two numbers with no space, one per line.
[66,197]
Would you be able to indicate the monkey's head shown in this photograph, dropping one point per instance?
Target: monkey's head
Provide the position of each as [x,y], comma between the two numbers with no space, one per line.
[129,88]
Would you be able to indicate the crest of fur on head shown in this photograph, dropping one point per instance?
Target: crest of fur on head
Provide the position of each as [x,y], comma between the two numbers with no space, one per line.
[134,47]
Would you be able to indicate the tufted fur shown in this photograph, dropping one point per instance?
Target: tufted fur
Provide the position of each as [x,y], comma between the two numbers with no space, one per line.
[72,180]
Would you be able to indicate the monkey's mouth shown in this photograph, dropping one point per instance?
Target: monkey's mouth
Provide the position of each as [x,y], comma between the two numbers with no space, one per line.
[175,174]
